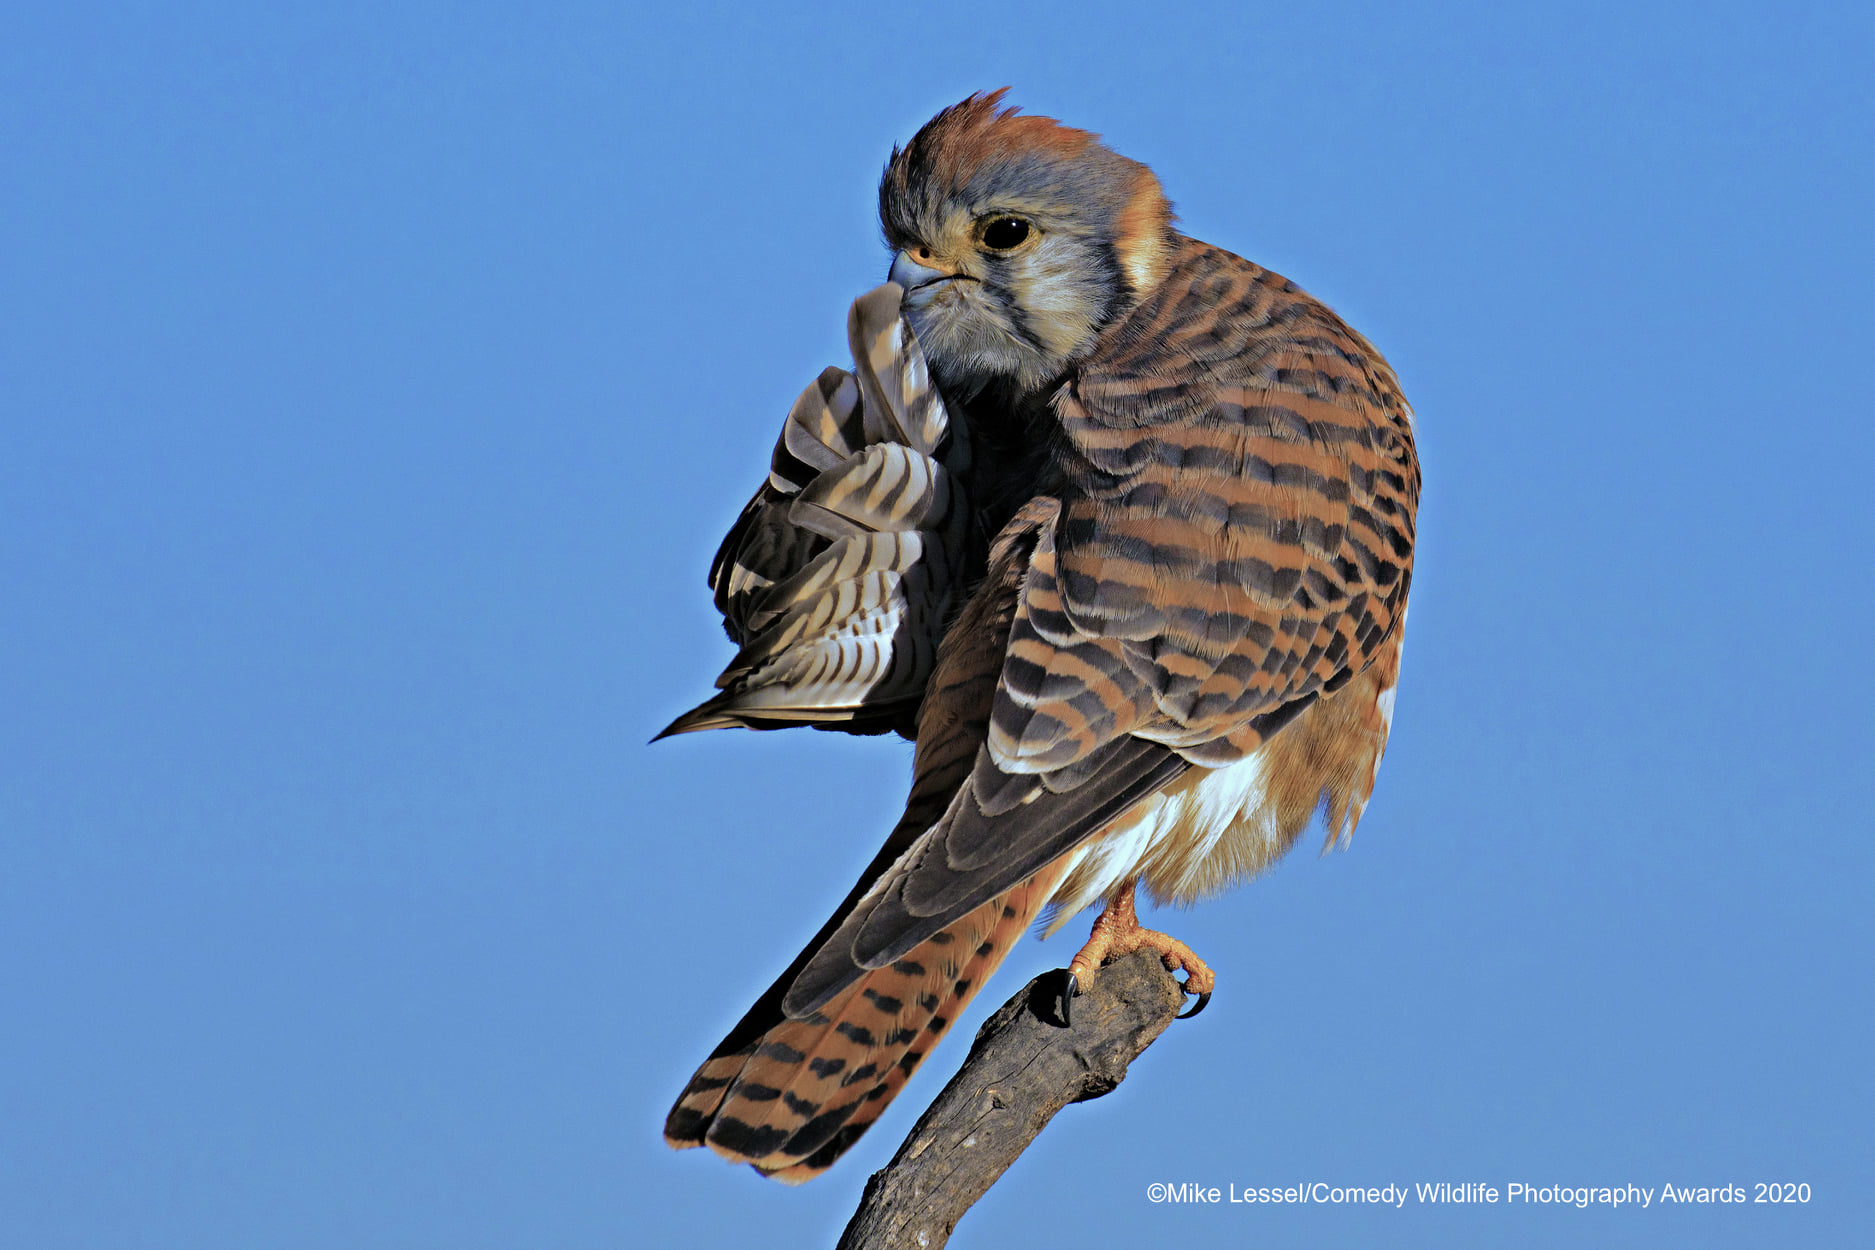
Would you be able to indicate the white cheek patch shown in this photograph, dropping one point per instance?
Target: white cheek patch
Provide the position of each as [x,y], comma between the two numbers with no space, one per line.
[1055,297]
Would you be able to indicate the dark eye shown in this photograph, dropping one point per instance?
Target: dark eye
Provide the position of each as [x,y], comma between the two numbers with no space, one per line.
[1005,233]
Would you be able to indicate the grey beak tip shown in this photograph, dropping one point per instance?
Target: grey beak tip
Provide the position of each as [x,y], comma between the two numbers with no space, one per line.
[911,275]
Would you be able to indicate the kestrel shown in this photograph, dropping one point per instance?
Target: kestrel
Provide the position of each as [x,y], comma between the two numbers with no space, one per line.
[1134,575]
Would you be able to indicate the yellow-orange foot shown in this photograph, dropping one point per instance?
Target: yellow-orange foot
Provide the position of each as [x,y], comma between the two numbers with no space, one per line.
[1118,932]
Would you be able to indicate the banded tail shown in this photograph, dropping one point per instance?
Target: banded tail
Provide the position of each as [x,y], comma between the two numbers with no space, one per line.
[790,1096]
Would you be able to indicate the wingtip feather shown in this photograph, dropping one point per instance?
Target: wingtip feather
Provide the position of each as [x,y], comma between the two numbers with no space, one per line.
[704,716]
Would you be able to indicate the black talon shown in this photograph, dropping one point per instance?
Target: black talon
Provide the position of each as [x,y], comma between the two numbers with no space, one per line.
[1068,992]
[1203,999]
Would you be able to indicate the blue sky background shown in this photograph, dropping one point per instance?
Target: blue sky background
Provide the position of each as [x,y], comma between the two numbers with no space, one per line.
[377,381]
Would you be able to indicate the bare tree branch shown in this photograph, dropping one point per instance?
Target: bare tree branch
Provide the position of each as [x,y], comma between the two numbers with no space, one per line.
[1023,1067]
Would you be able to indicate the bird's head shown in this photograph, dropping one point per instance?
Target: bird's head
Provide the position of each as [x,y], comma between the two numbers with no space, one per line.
[1017,239]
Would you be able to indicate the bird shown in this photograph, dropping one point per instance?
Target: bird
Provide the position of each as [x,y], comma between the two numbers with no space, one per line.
[1171,638]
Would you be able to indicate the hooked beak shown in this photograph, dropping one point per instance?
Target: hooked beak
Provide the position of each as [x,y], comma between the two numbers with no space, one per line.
[911,275]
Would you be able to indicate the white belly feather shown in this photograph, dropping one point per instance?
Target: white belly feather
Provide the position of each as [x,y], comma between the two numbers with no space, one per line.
[1215,827]
[1208,829]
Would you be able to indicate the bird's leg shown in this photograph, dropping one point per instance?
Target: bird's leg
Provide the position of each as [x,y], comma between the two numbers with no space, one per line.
[1117,932]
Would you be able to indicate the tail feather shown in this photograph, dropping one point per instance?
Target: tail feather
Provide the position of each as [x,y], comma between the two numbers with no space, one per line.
[793,1097]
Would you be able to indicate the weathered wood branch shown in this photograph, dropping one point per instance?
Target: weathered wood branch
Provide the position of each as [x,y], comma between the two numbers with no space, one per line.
[1023,1067]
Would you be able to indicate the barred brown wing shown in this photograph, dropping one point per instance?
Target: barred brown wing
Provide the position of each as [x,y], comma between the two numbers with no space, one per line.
[1236,533]
[841,573]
